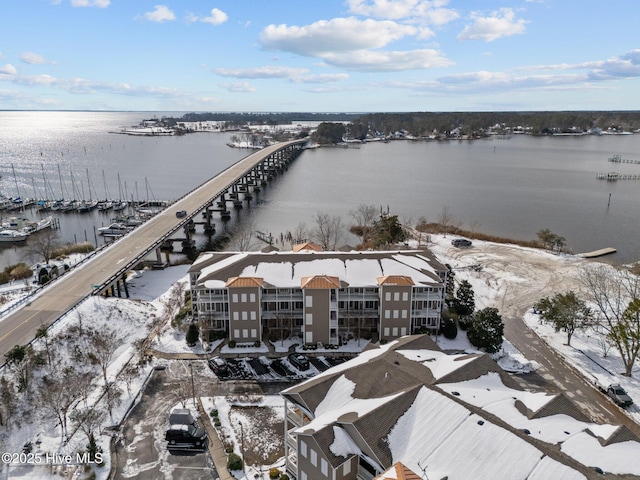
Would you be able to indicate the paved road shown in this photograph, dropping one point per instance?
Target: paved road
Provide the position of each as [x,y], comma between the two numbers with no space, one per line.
[141,452]
[19,327]
[531,278]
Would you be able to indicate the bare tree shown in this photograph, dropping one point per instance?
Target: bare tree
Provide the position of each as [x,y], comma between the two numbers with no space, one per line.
[243,236]
[8,401]
[328,231]
[364,217]
[616,296]
[44,244]
[103,344]
[112,397]
[88,419]
[128,374]
[299,234]
[57,393]
[445,219]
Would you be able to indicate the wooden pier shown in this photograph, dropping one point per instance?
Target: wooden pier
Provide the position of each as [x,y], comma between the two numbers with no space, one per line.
[597,253]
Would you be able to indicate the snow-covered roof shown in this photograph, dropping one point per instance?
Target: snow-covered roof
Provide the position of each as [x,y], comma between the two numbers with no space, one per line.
[287,269]
[411,403]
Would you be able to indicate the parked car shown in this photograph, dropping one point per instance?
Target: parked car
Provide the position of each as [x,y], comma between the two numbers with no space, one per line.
[181,213]
[186,437]
[299,361]
[182,416]
[461,242]
[219,366]
[619,395]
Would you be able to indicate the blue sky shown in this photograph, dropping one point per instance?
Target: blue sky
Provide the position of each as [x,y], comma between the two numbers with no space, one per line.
[326,55]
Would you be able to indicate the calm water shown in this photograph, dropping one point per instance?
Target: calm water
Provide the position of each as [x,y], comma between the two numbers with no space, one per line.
[510,187]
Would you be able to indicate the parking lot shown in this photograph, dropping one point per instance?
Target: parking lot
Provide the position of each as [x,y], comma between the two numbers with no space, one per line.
[141,449]
[264,369]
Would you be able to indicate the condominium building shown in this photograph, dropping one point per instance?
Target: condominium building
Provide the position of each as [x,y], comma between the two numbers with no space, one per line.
[323,297]
[408,410]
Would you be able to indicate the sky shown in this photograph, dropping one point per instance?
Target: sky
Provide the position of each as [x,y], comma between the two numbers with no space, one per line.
[321,56]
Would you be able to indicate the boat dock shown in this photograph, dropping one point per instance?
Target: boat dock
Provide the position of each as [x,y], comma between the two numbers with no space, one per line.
[619,159]
[597,253]
[614,176]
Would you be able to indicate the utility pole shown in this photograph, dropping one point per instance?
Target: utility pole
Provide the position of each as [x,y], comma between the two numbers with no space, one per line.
[193,388]
[241,445]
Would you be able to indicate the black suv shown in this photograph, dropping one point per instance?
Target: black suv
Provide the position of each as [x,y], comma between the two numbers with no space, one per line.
[219,366]
[186,437]
[299,361]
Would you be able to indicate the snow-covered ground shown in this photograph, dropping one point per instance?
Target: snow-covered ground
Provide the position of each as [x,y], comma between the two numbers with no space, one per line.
[524,275]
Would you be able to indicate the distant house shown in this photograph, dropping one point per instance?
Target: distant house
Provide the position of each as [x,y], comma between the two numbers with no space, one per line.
[323,297]
[408,410]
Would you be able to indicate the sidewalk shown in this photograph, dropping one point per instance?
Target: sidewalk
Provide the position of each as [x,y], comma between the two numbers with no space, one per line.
[216,449]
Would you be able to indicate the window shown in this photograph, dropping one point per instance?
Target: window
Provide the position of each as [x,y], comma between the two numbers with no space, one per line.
[386,331]
[387,314]
[234,298]
[309,337]
[387,296]
[309,319]
[404,314]
[396,313]
[405,296]
[254,333]
[303,475]
[252,297]
[284,305]
[236,333]
[243,298]
[346,468]
[396,296]
[245,316]
[253,316]
[313,457]
[303,448]
[236,316]
[324,467]
[403,331]
[245,333]
[308,301]
[395,331]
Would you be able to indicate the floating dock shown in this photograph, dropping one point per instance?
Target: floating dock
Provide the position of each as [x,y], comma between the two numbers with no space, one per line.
[597,253]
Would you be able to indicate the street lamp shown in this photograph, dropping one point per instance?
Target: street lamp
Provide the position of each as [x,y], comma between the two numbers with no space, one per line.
[193,388]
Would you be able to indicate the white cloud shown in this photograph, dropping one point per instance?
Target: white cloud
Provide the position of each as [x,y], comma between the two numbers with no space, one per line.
[501,23]
[296,75]
[322,78]
[217,17]
[390,61]
[8,69]
[261,72]
[91,3]
[34,59]
[428,11]
[238,87]
[336,35]
[161,13]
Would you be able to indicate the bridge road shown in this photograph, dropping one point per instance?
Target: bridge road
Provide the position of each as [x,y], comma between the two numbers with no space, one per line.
[20,326]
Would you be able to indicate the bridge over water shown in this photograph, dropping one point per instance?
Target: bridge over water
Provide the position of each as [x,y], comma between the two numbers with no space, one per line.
[106,268]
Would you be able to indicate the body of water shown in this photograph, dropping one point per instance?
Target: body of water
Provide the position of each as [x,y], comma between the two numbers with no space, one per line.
[511,188]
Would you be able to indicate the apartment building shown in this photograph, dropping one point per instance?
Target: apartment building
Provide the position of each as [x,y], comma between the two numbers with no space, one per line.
[408,410]
[322,297]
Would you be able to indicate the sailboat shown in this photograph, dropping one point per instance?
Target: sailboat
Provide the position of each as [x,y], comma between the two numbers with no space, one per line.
[87,205]
[105,204]
[120,204]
